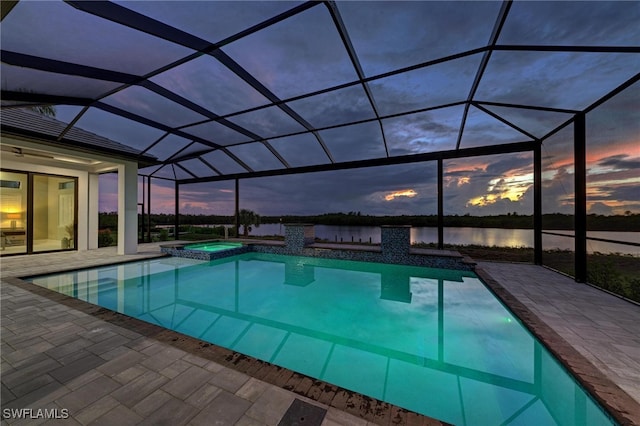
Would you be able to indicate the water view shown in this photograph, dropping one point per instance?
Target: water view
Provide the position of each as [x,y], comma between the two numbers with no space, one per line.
[477,236]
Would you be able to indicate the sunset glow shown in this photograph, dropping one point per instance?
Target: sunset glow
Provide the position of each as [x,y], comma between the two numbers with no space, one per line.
[511,187]
[463,180]
[404,193]
[483,200]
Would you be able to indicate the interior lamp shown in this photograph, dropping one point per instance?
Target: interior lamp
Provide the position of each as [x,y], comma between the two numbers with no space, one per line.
[13,217]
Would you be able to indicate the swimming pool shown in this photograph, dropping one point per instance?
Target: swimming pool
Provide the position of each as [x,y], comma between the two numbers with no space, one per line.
[212,246]
[430,340]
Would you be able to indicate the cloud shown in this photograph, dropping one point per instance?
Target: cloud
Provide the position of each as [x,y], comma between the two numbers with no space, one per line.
[301,55]
[415,26]
[620,162]
[267,122]
[334,108]
[119,129]
[423,132]
[600,208]
[627,192]
[600,177]
[59,31]
[431,86]
[557,192]
[489,185]
[357,142]
[563,23]
[498,185]
[403,193]
[558,79]
[212,21]
[347,190]
[513,164]
[210,84]
[217,198]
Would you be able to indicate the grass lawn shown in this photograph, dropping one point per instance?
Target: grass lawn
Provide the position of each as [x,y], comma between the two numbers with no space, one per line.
[617,273]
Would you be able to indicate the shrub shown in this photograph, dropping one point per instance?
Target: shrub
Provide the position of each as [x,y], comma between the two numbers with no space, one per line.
[105,239]
[605,275]
[633,289]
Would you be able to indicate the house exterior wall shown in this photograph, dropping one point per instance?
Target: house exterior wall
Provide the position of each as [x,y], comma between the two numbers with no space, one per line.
[83,192]
[88,190]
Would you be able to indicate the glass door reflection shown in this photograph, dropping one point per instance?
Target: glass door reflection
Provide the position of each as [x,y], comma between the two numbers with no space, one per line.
[54,213]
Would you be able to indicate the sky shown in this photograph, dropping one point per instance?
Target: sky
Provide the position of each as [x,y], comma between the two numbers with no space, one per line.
[305,54]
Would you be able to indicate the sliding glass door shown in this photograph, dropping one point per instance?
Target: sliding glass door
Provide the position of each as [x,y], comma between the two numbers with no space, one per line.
[54,207]
[39,212]
[13,212]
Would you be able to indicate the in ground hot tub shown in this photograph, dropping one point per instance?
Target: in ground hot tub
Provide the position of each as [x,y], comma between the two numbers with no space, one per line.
[207,250]
[213,246]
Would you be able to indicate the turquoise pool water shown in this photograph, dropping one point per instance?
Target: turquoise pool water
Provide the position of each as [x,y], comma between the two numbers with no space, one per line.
[430,340]
[212,246]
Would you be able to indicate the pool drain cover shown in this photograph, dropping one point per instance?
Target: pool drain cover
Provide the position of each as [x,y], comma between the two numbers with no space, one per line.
[303,414]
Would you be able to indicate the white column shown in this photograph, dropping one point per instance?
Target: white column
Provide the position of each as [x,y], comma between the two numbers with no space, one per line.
[82,226]
[93,219]
[128,208]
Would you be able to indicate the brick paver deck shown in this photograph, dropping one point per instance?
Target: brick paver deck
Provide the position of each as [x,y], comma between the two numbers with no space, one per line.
[595,333]
[106,368]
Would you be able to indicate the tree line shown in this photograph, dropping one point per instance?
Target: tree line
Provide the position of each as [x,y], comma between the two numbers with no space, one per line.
[555,221]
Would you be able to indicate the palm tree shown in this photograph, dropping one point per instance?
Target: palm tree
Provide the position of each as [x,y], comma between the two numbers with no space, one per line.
[246,218]
[44,109]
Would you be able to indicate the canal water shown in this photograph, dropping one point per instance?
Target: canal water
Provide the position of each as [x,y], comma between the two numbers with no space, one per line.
[465,236]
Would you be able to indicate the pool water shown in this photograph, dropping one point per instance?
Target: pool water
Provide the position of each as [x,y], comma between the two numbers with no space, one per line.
[212,246]
[430,340]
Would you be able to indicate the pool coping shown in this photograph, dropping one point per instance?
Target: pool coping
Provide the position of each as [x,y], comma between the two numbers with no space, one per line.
[616,402]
